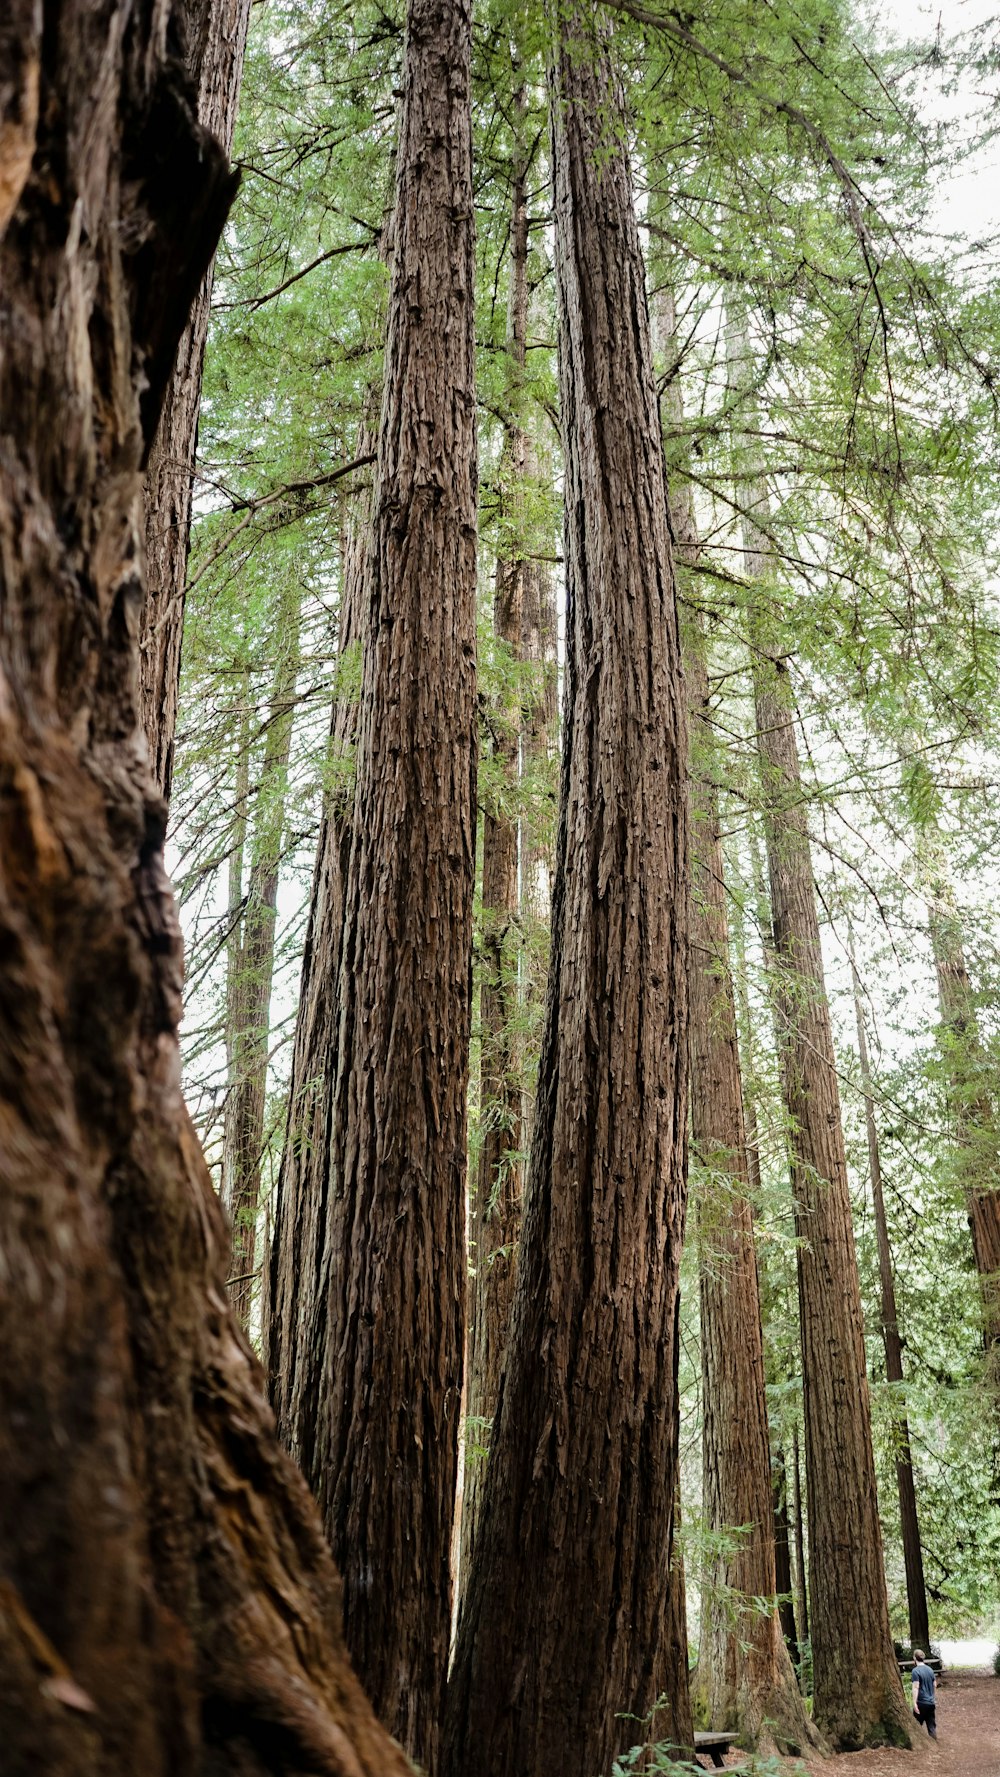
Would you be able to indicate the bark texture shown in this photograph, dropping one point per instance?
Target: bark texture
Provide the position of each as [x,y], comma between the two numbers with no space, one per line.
[913,1560]
[495,1199]
[564,1621]
[367,1330]
[213,37]
[168,1604]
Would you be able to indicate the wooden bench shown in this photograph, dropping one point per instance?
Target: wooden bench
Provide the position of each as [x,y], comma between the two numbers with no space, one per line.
[907,1665]
[716,1745]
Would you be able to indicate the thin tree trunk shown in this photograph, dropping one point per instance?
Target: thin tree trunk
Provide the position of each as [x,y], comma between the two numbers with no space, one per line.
[971,1102]
[745,1681]
[563,1623]
[379,1307]
[495,1201]
[214,34]
[168,1604]
[798,1514]
[913,1560]
[250,1000]
[782,1555]
[858,1700]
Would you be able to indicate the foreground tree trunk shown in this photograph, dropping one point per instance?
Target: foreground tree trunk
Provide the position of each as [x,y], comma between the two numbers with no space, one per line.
[563,1623]
[168,1602]
[858,1700]
[913,1560]
[495,1200]
[213,35]
[375,1317]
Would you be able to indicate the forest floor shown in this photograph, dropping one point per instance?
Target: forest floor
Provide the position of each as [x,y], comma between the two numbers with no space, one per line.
[968,1742]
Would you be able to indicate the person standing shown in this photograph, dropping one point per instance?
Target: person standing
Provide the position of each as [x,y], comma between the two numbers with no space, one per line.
[924,1704]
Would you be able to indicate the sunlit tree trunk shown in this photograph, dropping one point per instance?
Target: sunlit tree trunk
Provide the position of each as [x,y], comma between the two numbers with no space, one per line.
[563,1623]
[213,35]
[168,1603]
[913,1560]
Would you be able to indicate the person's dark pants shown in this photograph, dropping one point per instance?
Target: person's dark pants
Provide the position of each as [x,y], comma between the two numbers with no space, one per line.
[927,1713]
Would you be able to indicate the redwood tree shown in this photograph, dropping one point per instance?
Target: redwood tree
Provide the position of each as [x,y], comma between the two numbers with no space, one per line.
[212,36]
[168,1603]
[564,1621]
[368,1340]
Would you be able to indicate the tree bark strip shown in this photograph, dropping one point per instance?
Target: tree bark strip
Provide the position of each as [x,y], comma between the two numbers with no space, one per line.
[913,1560]
[858,1700]
[369,1333]
[564,1621]
[213,35]
[168,1603]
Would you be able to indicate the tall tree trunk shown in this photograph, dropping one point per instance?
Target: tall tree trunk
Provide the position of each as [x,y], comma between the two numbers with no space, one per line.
[253,965]
[913,1560]
[858,1700]
[168,1603]
[563,1621]
[745,1681]
[379,1309]
[213,35]
[971,1100]
[495,1201]
[294,1361]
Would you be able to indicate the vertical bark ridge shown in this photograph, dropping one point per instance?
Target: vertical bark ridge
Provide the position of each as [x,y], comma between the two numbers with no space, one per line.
[564,1621]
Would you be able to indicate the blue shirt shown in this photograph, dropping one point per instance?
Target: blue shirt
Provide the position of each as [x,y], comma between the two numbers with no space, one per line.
[925,1679]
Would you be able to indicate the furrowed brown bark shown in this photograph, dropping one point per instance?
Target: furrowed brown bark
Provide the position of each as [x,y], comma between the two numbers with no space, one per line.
[213,37]
[251,963]
[744,1681]
[495,1199]
[913,1560]
[373,1336]
[168,1605]
[563,1623]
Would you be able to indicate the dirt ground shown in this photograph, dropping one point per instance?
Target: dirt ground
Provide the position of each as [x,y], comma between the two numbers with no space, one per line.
[968,1742]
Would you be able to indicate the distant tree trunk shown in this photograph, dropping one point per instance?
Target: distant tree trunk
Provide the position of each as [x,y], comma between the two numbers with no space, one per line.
[916,1592]
[971,1102]
[495,1200]
[858,1700]
[252,962]
[782,1555]
[378,1313]
[294,1362]
[540,733]
[213,34]
[168,1603]
[563,1621]
[798,1518]
[745,1682]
